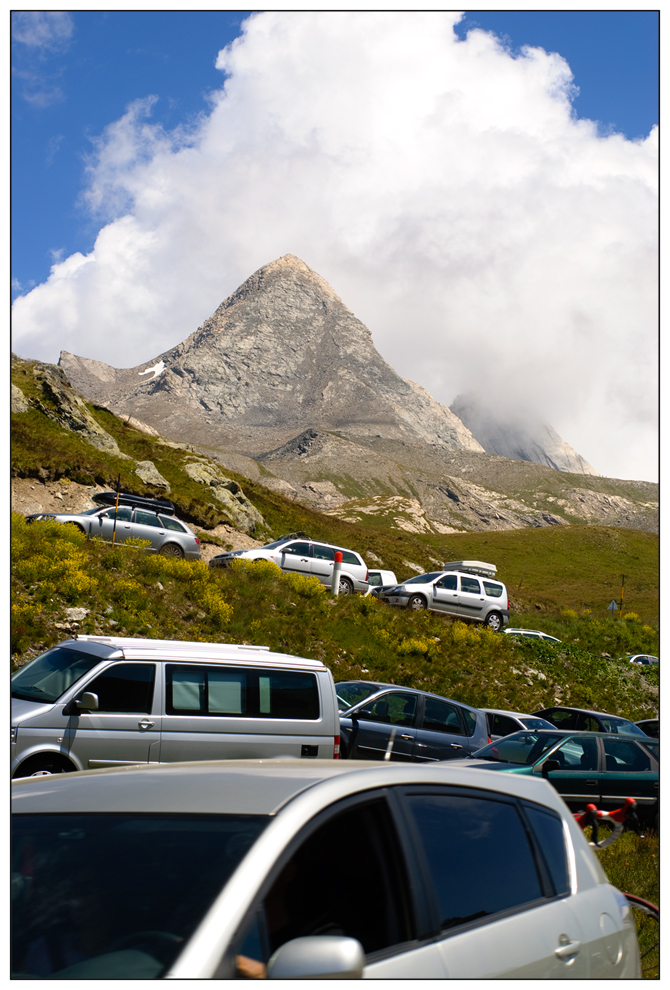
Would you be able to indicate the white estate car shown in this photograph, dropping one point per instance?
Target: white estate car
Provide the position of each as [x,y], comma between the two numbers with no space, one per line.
[308,869]
[302,555]
[465,589]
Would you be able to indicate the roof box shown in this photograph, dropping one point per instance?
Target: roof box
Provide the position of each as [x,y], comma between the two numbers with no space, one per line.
[139,501]
[472,566]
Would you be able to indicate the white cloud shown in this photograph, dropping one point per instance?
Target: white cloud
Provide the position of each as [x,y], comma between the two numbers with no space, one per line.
[489,240]
[48,30]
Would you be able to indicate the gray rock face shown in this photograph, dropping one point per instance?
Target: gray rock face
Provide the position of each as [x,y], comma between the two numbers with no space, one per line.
[150,475]
[536,442]
[19,402]
[239,510]
[281,355]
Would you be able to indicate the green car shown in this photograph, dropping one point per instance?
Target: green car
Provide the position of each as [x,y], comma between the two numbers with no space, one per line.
[585,767]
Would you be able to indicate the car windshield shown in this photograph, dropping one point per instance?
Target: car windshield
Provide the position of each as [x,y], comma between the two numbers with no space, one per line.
[46,677]
[349,693]
[116,896]
[520,747]
[423,578]
[536,723]
[621,725]
[275,543]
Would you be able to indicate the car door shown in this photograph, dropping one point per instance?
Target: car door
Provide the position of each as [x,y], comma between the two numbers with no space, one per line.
[295,557]
[105,526]
[445,594]
[578,780]
[384,725]
[322,563]
[148,526]
[630,771]
[471,600]
[441,733]
[125,727]
[343,874]
[498,911]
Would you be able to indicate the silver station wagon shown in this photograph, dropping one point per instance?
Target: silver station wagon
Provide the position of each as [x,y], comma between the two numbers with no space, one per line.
[306,556]
[135,518]
[465,589]
[308,869]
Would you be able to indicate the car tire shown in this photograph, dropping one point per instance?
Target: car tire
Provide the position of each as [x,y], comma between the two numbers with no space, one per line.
[416,602]
[171,550]
[43,764]
[494,621]
[346,586]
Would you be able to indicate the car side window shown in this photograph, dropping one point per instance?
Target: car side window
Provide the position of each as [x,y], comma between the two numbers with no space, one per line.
[548,828]
[125,687]
[322,553]
[440,716]
[587,723]
[624,756]
[169,523]
[393,708]
[350,558]
[123,513]
[312,894]
[493,590]
[300,549]
[196,689]
[578,753]
[145,518]
[477,854]
[471,585]
[503,725]
[448,582]
[375,580]
[562,720]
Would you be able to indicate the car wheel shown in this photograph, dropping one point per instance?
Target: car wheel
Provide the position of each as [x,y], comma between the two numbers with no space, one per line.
[346,587]
[41,766]
[171,550]
[416,602]
[76,526]
[494,621]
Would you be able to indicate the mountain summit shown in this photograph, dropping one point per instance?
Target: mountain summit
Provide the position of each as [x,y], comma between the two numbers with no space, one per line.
[281,355]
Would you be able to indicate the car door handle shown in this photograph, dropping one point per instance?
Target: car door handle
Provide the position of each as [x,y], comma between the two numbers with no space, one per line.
[146,724]
[407,737]
[422,745]
[592,783]
[455,746]
[567,948]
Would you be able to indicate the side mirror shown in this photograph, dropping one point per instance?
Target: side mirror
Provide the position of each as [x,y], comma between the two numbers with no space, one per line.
[318,957]
[87,702]
[548,766]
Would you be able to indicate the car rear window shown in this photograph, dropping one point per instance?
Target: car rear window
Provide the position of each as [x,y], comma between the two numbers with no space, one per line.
[493,590]
[242,692]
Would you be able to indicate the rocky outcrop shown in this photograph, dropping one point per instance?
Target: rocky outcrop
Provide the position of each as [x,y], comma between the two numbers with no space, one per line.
[150,475]
[282,354]
[19,402]
[236,506]
[510,436]
[60,402]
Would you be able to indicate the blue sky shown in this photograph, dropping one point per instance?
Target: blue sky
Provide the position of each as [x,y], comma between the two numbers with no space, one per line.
[486,182]
[64,95]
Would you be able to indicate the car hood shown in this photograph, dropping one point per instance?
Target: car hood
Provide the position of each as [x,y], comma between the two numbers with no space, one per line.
[23,709]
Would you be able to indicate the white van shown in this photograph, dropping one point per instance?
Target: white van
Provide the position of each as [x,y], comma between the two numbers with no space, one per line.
[98,701]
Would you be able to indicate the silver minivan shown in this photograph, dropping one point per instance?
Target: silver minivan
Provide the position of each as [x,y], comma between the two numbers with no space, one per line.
[97,701]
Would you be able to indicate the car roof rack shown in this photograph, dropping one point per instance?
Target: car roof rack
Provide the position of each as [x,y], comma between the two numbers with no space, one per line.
[138,501]
[472,567]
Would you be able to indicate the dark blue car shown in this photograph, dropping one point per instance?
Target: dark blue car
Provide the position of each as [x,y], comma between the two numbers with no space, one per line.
[386,721]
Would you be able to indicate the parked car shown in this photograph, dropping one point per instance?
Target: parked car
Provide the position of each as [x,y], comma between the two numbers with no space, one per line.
[649,726]
[306,556]
[465,589]
[644,660]
[583,718]
[380,581]
[501,723]
[288,869]
[531,634]
[403,724]
[98,701]
[585,767]
[135,518]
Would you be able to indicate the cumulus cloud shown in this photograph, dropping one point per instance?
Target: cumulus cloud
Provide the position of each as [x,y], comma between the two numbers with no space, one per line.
[491,241]
[47,30]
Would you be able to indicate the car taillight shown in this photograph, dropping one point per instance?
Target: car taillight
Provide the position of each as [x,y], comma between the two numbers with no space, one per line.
[508,604]
[336,748]
[367,575]
[490,740]
[197,541]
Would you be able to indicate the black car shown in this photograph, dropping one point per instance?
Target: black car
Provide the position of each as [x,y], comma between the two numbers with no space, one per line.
[585,720]
[390,722]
